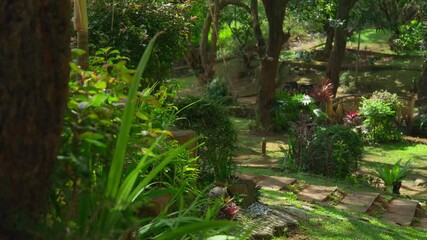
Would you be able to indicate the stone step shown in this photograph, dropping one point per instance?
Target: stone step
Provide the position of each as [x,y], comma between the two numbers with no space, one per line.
[358,201]
[252,177]
[315,193]
[272,224]
[401,212]
[275,183]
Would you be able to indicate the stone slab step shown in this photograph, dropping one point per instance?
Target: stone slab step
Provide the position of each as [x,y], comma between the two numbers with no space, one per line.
[275,183]
[315,193]
[358,201]
[401,211]
[272,224]
[254,178]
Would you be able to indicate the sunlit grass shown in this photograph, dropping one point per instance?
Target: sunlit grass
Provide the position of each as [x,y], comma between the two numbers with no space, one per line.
[331,223]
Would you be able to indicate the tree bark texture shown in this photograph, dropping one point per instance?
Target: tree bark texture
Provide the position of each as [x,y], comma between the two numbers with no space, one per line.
[275,11]
[329,39]
[340,41]
[34,73]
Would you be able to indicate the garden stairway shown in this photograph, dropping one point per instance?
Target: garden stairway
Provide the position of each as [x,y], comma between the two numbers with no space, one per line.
[402,212]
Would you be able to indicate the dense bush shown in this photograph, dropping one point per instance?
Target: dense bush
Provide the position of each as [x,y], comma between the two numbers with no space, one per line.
[288,108]
[379,113]
[129,25]
[217,90]
[216,131]
[335,151]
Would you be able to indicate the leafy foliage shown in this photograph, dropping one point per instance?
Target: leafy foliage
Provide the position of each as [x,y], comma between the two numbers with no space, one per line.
[394,175]
[335,151]
[217,90]
[379,112]
[129,25]
[288,108]
[96,198]
[216,131]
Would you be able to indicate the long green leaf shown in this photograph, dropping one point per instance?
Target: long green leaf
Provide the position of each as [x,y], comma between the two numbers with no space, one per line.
[116,169]
[153,173]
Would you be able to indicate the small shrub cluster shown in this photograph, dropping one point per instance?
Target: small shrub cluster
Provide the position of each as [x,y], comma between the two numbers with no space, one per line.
[333,151]
[379,113]
[217,90]
[215,129]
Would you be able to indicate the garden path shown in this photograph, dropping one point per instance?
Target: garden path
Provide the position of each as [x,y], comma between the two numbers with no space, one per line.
[399,211]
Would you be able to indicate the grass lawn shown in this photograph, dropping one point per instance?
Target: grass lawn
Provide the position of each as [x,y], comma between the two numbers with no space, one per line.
[372,40]
[330,223]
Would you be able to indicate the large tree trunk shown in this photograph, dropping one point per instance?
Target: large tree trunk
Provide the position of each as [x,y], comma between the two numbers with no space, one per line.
[34,72]
[422,84]
[275,11]
[338,51]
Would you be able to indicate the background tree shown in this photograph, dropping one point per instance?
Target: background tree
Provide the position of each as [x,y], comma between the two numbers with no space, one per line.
[318,14]
[34,74]
[269,52]
[208,46]
[81,27]
[335,60]
[129,25]
[396,13]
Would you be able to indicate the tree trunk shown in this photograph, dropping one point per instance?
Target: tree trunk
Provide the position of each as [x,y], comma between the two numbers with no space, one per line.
[81,27]
[340,41]
[211,26]
[207,53]
[275,11]
[329,40]
[422,84]
[34,72]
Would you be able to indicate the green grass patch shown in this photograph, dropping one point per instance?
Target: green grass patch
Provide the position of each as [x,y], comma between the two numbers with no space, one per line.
[331,223]
[391,152]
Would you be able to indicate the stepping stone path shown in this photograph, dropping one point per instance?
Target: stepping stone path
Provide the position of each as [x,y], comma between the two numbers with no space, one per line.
[359,202]
[316,193]
[275,183]
[399,211]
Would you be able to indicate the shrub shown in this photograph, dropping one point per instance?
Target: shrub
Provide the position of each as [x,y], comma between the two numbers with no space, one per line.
[287,109]
[216,131]
[217,90]
[335,151]
[301,134]
[379,113]
[129,25]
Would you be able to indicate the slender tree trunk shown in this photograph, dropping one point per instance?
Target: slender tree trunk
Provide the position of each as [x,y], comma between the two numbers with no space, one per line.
[34,71]
[208,51]
[337,55]
[275,11]
[81,27]
[211,26]
[330,31]
[422,84]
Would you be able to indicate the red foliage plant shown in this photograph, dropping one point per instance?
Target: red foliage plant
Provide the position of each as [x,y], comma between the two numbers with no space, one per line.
[323,91]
